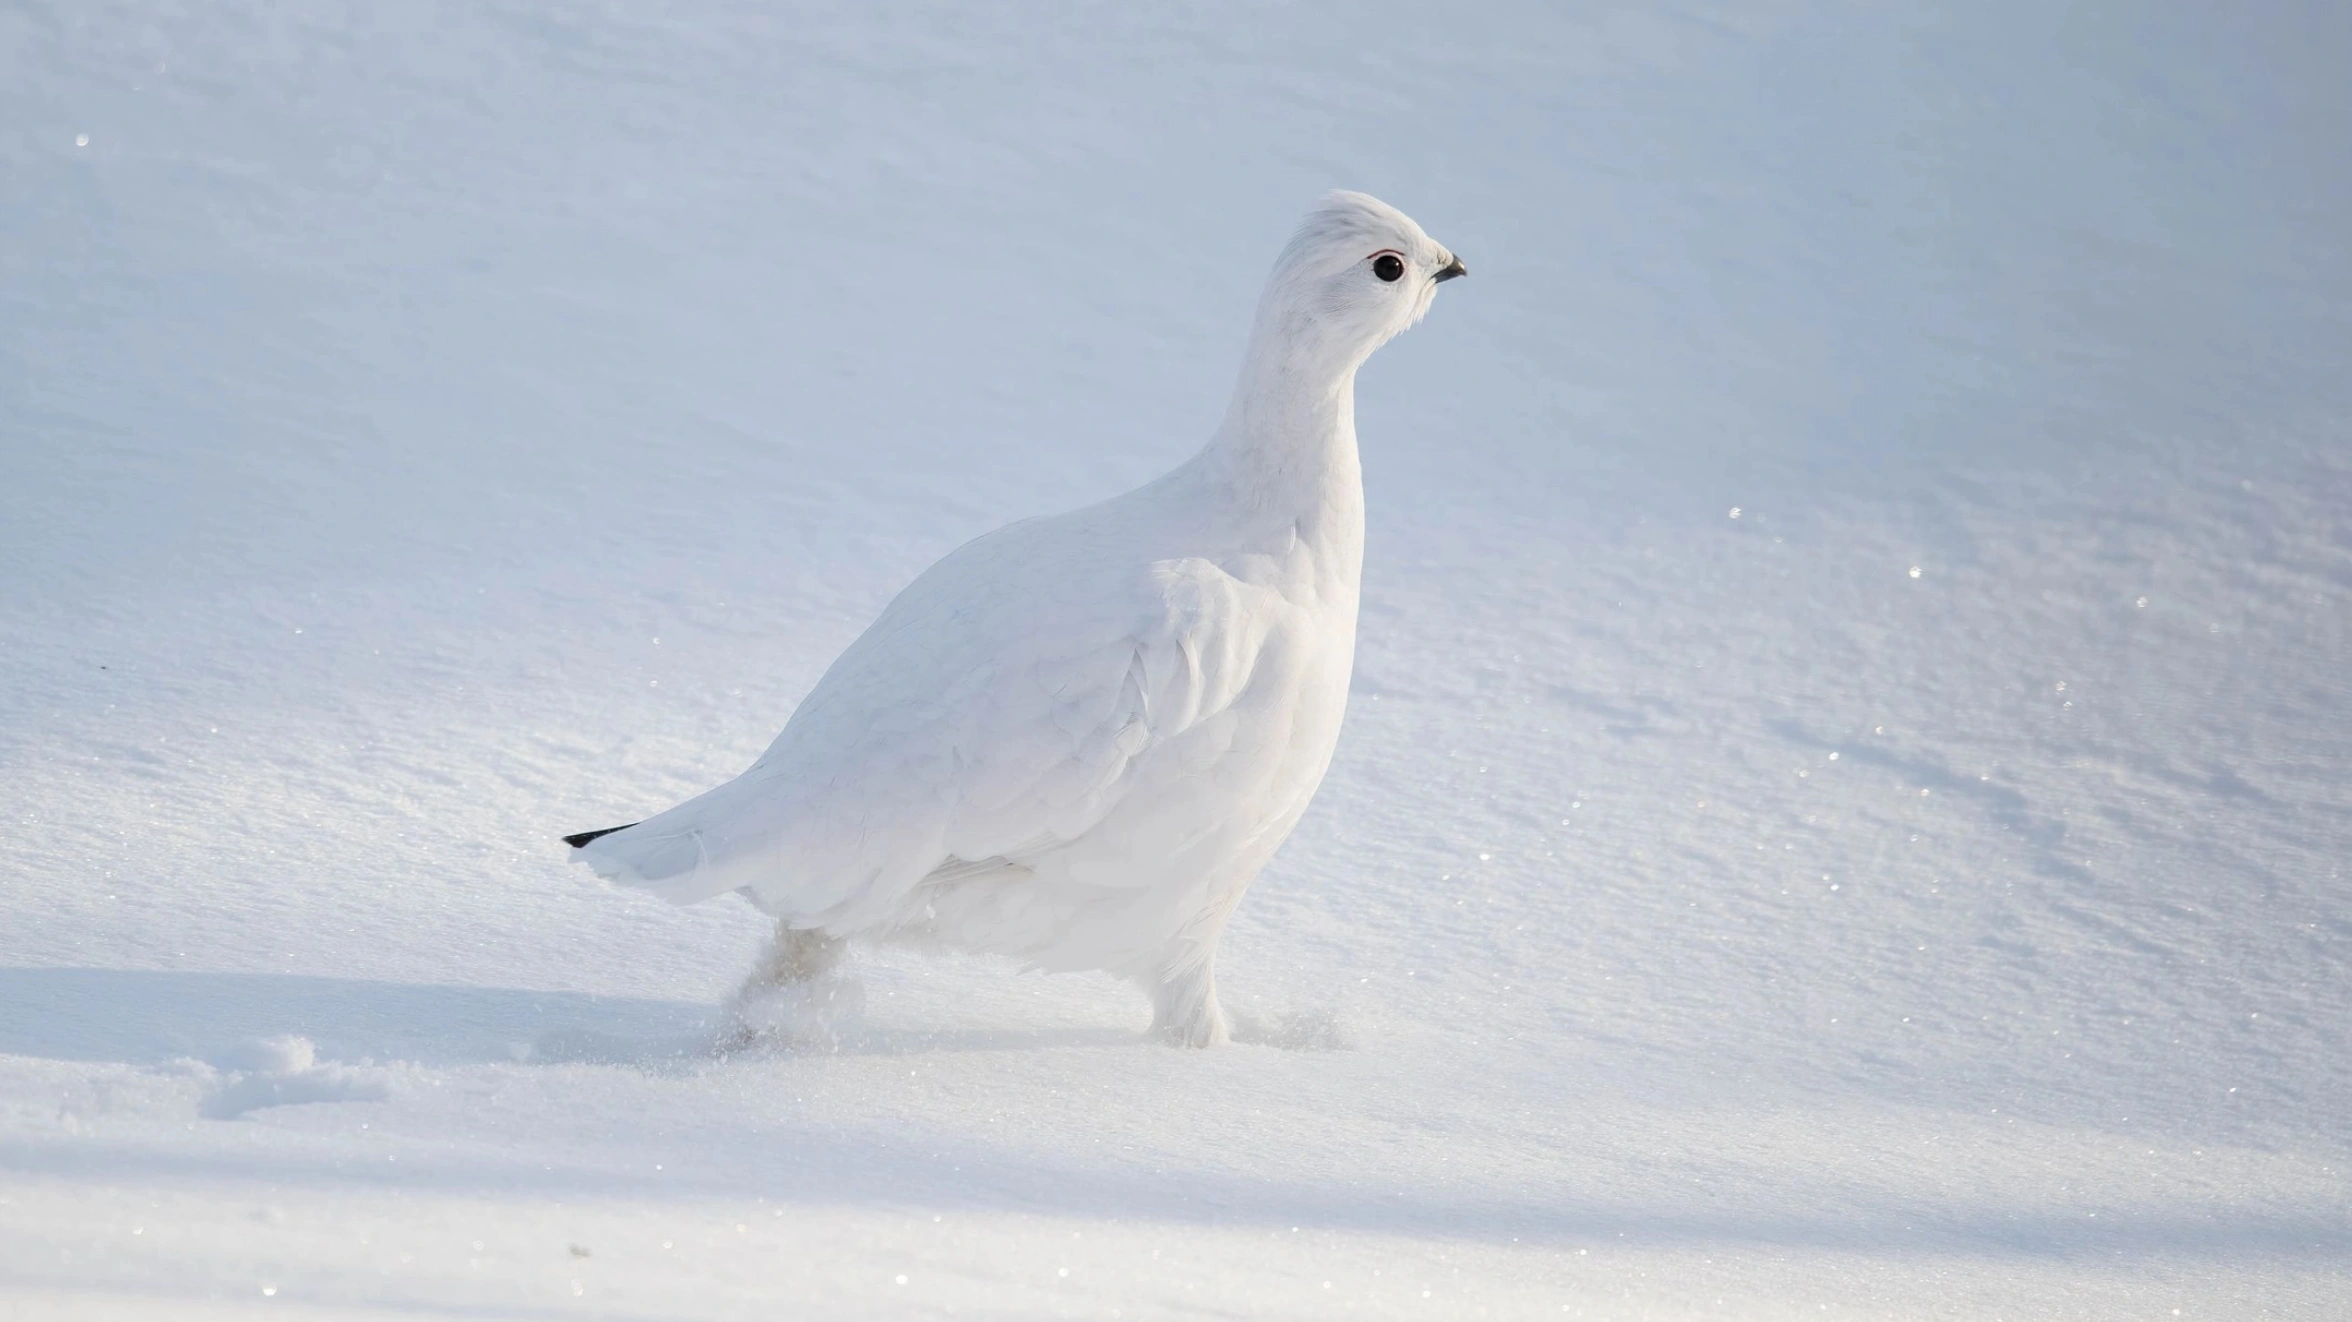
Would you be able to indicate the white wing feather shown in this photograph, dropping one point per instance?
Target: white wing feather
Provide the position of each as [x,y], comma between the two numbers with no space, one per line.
[1006,701]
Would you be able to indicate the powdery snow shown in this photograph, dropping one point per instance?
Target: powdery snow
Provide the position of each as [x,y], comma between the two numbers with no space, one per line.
[1921,894]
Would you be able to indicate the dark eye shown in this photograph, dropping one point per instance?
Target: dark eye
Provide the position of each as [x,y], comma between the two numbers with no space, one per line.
[1389,267]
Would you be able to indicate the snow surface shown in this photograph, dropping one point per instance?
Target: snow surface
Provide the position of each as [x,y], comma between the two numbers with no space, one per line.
[1921,894]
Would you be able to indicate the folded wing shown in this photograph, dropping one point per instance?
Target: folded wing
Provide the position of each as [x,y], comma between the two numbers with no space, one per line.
[998,709]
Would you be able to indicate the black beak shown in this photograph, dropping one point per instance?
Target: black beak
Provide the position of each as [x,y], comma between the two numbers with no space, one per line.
[1450,270]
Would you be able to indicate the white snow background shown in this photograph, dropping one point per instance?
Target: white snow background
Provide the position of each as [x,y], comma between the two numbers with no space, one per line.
[1843,813]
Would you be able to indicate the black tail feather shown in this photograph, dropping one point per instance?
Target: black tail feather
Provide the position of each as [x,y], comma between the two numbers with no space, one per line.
[575,841]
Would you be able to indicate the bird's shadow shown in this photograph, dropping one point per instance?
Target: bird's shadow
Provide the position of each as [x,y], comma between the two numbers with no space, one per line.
[145,1017]
[142,1017]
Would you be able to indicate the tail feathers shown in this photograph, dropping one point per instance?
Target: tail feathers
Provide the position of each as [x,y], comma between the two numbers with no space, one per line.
[581,840]
[667,860]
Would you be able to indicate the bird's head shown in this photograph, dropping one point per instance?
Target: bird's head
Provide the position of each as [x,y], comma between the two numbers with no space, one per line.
[1357,272]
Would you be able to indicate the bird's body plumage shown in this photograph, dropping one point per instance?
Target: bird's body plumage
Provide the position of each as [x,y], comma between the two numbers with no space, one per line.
[1077,739]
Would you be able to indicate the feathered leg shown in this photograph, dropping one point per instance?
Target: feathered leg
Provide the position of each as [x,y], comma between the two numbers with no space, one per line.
[794,994]
[1184,997]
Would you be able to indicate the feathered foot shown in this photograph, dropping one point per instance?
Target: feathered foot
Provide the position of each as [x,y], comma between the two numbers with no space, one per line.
[1185,1012]
[795,995]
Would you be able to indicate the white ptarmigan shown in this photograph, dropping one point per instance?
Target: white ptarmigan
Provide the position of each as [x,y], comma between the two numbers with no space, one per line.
[1077,739]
